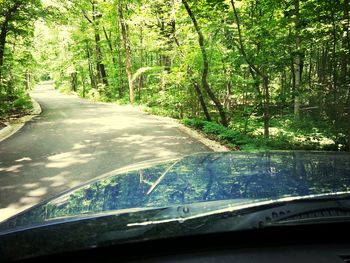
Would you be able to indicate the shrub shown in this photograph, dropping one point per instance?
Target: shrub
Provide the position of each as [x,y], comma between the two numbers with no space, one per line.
[23,102]
[235,139]
[213,128]
[229,135]
[195,123]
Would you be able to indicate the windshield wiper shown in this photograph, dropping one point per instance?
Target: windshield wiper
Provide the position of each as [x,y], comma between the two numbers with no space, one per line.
[257,214]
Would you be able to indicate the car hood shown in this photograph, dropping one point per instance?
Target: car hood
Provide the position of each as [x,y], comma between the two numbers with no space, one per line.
[206,177]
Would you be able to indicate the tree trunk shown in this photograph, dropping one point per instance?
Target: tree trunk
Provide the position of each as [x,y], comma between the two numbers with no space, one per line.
[27,80]
[128,65]
[74,81]
[206,66]
[297,61]
[140,80]
[100,66]
[195,85]
[120,65]
[83,83]
[115,64]
[255,70]
[3,34]
[109,42]
[257,86]
[345,60]
[91,70]
[199,94]
[266,108]
[334,64]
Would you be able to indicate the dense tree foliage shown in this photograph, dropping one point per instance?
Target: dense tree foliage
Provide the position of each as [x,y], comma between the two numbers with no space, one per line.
[259,67]
[16,41]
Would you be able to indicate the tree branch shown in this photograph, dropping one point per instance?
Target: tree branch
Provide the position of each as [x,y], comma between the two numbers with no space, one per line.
[87,18]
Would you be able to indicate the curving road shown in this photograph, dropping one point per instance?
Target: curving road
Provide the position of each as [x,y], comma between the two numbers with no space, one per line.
[75,140]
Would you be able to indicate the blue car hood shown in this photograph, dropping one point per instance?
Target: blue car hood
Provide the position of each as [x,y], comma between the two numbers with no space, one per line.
[206,177]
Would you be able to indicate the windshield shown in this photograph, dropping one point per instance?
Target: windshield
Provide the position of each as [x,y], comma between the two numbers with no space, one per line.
[126,106]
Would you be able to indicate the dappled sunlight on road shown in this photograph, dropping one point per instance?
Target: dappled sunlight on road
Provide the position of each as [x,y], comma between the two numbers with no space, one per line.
[34,179]
[12,169]
[102,122]
[31,185]
[23,159]
[57,180]
[37,192]
[64,160]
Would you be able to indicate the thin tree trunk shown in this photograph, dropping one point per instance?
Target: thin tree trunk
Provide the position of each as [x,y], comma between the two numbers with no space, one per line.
[257,86]
[128,65]
[91,71]
[334,64]
[109,42]
[74,81]
[100,66]
[258,71]
[199,94]
[292,69]
[3,35]
[310,69]
[345,60]
[266,108]
[83,83]
[120,75]
[190,73]
[141,63]
[28,80]
[206,66]
[297,61]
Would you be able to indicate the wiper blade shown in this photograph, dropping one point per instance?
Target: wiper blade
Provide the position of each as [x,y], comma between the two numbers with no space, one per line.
[343,216]
[312,210]
[331,211]
[183,213]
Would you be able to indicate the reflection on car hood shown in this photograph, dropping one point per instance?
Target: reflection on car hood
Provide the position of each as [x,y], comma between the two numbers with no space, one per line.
[240,177]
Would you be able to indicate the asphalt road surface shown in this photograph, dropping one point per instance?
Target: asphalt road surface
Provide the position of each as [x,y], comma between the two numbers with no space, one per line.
[75,140]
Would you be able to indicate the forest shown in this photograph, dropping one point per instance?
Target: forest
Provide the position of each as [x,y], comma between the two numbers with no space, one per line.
[252,74]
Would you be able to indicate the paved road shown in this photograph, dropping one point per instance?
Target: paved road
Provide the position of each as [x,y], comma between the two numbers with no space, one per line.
[75,140]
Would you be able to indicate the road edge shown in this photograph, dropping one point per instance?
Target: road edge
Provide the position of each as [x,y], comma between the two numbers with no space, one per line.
[211,144]
[16,125]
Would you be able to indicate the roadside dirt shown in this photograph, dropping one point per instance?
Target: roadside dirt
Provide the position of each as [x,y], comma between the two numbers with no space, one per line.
[12,122]
[13,117]
[2,125]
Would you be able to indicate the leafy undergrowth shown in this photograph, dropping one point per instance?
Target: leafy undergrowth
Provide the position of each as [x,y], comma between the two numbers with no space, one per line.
[162,112]
[12,108]
[280,138]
